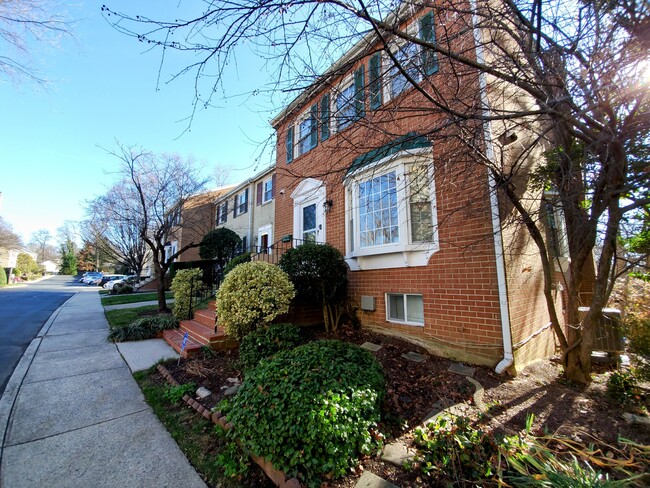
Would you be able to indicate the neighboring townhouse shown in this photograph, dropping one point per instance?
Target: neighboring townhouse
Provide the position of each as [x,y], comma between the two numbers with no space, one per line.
[193,223]
[9,256]
[249,210]
[362,166]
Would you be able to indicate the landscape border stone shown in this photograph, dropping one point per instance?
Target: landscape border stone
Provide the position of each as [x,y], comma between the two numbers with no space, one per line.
[275,475]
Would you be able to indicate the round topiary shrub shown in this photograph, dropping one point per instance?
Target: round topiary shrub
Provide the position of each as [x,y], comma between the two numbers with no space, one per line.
[309,410]
[252,295]
[264,343]
[185,283]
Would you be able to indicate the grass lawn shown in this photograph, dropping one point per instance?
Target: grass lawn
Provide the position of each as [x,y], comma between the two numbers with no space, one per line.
[122,318]
[132,298]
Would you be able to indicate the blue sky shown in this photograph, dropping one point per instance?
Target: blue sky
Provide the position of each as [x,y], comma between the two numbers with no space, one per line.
[103,89]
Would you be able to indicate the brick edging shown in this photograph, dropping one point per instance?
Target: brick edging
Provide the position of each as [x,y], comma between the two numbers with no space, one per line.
[278,477]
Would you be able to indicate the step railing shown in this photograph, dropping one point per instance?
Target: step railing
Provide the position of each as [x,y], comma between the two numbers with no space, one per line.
[273,253]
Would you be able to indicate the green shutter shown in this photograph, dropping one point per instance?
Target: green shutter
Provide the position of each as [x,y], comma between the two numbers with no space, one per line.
[374,69]
[325,117]
[289,144]
[428,34]
[359,93]
[313,135]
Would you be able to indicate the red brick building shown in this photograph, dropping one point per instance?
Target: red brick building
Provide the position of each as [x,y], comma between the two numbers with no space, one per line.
[366,163]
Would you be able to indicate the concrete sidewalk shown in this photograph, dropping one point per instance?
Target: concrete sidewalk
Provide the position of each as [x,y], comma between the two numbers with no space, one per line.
[72,415]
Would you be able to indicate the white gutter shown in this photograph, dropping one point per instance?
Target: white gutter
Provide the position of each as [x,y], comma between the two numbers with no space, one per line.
[508,357]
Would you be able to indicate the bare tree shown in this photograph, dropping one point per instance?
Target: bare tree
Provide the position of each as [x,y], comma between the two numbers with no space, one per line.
[118,234]
[21,23]
[39,242]
[567,81]
[154,189]
[8,238]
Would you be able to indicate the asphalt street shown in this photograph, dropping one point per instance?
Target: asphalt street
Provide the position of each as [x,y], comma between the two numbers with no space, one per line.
[23,311]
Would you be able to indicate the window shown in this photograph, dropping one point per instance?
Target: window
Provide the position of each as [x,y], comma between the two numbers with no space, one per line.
[405,308]
[268,190]
[378,216]
[350,101]
[241,203]
[309,223]
[222,213]
[390,212]
[414,60]
[308,130]
[243,245]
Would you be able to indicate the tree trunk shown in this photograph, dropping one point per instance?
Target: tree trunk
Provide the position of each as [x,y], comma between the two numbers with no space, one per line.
[159,273]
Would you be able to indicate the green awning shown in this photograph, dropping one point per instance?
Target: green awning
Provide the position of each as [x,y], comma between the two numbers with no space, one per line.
[412,140]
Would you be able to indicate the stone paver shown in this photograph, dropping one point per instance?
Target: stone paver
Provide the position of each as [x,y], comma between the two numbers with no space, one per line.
[371,480]
[371,347]
[414,356]
[462,369]
[397,453]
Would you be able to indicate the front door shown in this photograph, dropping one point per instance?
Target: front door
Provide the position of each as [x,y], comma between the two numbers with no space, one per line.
[309,211]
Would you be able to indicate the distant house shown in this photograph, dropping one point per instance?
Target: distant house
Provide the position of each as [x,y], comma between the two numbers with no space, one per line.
[194,222]
[8,257]
[50,267]
[249,210]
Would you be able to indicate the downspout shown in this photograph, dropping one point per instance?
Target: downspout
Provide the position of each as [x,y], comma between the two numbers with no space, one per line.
[508,357]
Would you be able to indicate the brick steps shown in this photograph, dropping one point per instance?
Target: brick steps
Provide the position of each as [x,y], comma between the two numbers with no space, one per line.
[201,332]
[174,337]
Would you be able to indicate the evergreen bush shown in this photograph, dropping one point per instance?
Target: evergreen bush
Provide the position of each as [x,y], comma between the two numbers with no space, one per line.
[318,271]
[309,410]
[142,328]
[185,283]
[251,296]
[242,258]
[264,343]
[3,276]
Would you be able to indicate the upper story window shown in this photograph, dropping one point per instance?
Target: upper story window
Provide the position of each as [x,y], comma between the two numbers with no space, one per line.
[222,213]
[391,212]
[241,203]
[350,100]
[414,61]
[308,130]
[266,190]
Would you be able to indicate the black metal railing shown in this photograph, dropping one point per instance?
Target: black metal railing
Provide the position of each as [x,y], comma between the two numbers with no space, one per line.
[273,253]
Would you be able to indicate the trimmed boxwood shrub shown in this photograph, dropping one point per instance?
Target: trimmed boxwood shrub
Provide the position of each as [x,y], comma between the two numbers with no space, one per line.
[309,410]
[251,296]
[264,343]
[185,283]
[143,328]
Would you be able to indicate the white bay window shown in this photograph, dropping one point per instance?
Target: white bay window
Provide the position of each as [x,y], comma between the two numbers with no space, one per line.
[390,208]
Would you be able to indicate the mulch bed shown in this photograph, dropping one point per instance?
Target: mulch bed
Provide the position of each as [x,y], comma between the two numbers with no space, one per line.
[413,389]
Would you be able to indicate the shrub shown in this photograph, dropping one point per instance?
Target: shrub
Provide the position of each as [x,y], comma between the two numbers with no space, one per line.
[309,410]
[121,289]
[623,387]
[252,295]
[3,276]
[318,271]
[174,394]
[219,244]
[264,343]
[184,284]
[242,258]
[143,328]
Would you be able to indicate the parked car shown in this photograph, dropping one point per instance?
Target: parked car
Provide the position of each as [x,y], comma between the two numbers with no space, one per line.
[90,276]
[106,278]
[129,280]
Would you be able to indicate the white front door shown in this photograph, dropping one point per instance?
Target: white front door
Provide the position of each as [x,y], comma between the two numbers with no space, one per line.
[309,211]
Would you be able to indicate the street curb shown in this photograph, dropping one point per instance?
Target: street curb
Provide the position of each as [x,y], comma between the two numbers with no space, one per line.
[8,399]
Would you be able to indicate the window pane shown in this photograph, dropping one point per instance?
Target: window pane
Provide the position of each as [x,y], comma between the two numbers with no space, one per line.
[421,226]
[345,107]
[309,217]
[378,211]
[396,307]
[414,309]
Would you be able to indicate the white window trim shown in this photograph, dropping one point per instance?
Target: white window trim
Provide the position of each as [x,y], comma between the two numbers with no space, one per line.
[236,204]
[334,109]
[405,253]
[268,230]
[220,212]
[297,151]
[405,321]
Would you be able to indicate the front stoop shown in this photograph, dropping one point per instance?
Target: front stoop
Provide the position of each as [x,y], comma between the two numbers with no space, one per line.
[201,332]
